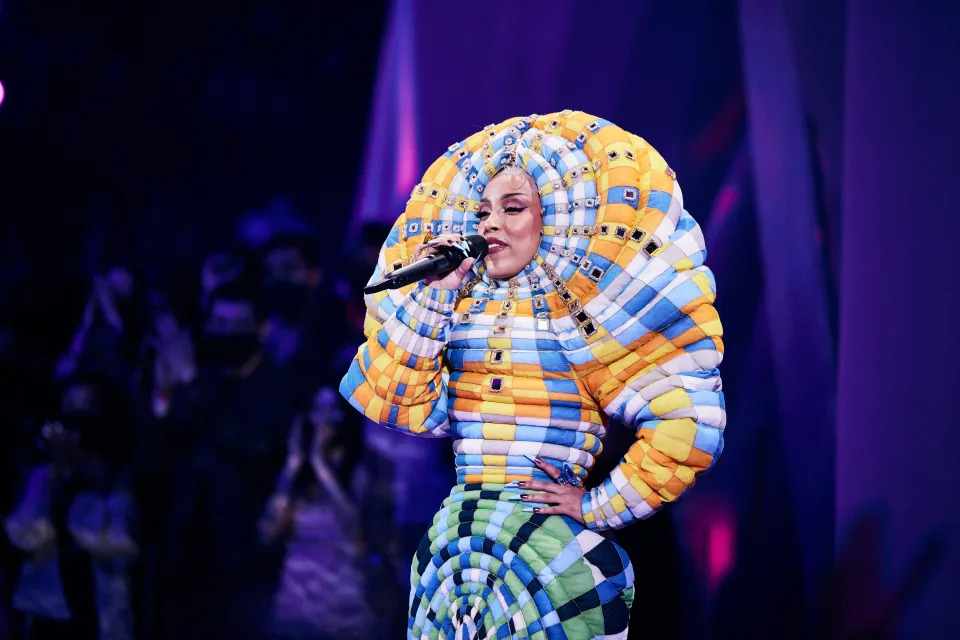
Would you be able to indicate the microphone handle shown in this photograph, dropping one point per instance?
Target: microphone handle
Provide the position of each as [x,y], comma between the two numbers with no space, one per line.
[445,259]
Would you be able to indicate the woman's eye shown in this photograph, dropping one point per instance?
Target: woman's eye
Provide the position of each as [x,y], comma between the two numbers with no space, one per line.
[482,214]
[514,209]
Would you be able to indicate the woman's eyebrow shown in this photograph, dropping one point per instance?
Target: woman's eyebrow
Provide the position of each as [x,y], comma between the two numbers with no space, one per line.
[503,197]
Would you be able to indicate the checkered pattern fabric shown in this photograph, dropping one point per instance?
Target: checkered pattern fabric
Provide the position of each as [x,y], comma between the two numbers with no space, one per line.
[488,569]
[613,317]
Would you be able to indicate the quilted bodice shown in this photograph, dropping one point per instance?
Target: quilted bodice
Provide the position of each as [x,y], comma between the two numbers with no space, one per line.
[512,390]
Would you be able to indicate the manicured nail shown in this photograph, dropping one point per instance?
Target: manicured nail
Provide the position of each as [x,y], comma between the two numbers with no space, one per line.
[530,509]
[531,458]
[524,496]
[521,484]
[512,484]
[536,509]
[538,461]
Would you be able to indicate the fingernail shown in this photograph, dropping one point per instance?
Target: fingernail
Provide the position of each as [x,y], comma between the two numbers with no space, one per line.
[539,461]
[515,483]
[536,509]
[524,496]
[530,509]
[521,484]
[530,458]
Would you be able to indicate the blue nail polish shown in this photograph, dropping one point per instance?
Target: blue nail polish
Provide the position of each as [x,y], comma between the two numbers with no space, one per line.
[528,509]
[530,458]
[512,484]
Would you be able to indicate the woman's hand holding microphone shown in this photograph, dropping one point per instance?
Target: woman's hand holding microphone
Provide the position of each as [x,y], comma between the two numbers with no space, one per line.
[454,279]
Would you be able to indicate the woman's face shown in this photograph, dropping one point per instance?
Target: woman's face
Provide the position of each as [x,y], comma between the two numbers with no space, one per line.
[510,221]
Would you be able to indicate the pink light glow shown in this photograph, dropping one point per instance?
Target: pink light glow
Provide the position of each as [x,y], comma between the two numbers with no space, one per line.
[1,93]
[725,202]
[720,552]
[406,175]
[710,529]
[406,81]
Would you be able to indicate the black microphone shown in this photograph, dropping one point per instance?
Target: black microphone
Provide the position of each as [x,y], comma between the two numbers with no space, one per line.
[445,259]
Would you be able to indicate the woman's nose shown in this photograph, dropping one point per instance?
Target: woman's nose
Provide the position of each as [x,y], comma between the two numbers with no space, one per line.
[490,223]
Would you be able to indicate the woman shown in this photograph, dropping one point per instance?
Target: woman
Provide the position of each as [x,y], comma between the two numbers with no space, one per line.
[321,593]
[592,303]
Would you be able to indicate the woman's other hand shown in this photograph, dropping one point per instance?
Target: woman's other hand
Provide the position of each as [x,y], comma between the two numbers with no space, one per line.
[565,498]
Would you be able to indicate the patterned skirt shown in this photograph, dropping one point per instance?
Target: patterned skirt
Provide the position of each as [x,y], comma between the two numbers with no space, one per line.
[489,569]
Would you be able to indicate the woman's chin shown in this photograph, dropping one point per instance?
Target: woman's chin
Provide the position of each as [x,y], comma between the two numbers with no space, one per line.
[500,271]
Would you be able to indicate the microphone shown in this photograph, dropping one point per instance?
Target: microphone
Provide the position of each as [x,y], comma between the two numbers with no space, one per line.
[444,260]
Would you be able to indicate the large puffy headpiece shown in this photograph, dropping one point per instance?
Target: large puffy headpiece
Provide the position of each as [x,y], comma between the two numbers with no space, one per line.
[607,197]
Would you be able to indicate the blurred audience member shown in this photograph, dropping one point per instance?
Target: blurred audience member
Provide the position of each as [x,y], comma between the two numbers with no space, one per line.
[359,262]
[218,269]
[322,592]
[107,339]
[231,420]
[302,313]
[174,364]
[74,520]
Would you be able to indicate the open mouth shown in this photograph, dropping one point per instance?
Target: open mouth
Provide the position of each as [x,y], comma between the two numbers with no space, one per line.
[495,246]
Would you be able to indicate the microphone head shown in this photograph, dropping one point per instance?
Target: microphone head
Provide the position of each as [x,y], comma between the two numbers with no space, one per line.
[476,247]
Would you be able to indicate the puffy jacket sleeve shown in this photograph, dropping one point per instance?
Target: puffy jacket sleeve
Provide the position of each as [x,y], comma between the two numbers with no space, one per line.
[397,377]
[666,386]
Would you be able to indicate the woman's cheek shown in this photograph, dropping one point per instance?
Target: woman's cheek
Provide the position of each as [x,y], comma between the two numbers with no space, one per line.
[530,235]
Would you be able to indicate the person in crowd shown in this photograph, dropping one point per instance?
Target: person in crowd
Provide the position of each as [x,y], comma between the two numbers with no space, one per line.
[168,366]
[75,520]
[168,361]
[301,309]
[230,419]
[322,591]
[108,337]
[593,301]
[24,403]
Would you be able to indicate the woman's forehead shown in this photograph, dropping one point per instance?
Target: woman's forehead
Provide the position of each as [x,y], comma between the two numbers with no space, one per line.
[508,182]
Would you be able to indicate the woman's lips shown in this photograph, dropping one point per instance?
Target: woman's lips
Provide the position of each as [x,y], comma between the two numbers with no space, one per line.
[494,246]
